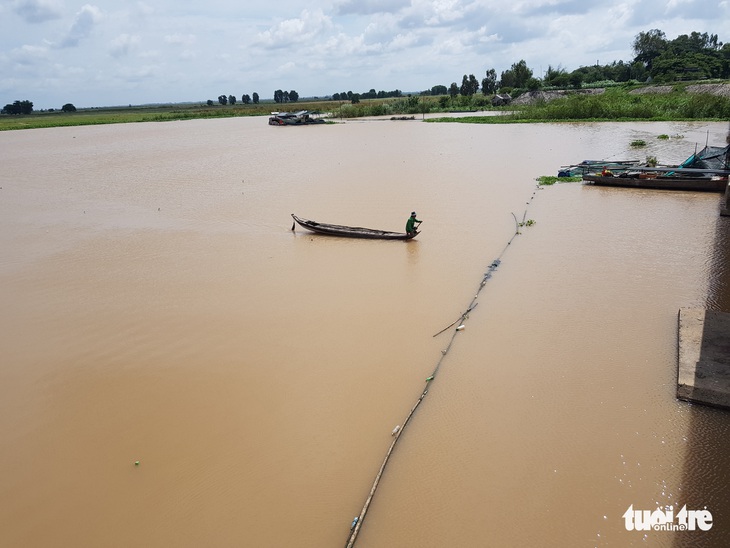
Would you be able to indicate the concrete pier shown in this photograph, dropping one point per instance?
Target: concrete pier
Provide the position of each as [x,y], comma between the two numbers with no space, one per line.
[725,208]
[703,366]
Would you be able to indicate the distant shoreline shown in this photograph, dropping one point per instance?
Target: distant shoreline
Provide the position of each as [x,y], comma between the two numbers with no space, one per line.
[675,102]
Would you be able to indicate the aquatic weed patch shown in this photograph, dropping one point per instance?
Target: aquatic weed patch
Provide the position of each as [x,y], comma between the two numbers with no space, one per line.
[546,180]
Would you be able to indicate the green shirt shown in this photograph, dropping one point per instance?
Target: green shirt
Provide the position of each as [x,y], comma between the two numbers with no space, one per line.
[411,224]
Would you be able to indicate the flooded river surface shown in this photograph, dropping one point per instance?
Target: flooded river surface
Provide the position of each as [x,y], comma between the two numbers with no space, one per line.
[180,368]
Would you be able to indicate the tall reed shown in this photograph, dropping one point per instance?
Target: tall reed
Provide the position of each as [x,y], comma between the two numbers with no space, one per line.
[620,105]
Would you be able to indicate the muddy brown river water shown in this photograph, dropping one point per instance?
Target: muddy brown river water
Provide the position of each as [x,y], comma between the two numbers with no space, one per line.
[156,308]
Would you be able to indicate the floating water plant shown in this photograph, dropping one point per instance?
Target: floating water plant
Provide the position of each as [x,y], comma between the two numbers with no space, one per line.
[638,143]
[551,180]
[663,137]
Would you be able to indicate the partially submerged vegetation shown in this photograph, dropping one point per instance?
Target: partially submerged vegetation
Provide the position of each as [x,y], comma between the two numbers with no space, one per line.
[616,104]
[621,103]
[546,180]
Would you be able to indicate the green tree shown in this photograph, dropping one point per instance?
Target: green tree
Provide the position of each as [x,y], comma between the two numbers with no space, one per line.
[556,77]
[255,98]
[209,102]
[507,79]
[68,107]
[469,85]
[18,107]
[293,96]
[725,56]
[245,99]
[222,99]
[516,77]
[533,84]
[576,79]
[232,99]
[648,46]
[489,83]
[453,90]
[464,89]
[439,90]
[279,96]
[522,74]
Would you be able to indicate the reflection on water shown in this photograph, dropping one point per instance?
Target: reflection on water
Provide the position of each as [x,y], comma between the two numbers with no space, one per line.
[158,308]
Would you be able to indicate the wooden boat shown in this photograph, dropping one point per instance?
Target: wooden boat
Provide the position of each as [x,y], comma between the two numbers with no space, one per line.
[352,231]
[660,182]
[706,170]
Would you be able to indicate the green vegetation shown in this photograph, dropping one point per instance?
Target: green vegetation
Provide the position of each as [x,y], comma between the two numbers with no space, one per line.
[619,104]
[615,104]
[154,113]
[697,57]
[638,143]
[546,180]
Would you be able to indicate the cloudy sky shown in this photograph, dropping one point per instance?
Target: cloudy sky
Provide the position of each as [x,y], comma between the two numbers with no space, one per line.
[117,52]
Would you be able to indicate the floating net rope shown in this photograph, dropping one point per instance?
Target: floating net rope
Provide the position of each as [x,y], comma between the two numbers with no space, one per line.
[357,523]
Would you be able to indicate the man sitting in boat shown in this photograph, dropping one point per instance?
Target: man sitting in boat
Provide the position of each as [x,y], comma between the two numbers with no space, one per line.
[411,223]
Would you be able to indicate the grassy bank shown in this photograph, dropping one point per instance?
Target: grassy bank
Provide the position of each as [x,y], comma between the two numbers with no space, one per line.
[615,104]
[154,113]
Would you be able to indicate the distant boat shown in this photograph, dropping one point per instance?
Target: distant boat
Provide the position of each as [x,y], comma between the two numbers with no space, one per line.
[352,231]
[301,118]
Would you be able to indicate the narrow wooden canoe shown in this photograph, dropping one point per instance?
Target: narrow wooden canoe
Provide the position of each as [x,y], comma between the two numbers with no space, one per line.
[352,231]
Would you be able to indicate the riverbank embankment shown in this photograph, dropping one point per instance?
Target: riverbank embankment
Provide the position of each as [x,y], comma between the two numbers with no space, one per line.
[703,365]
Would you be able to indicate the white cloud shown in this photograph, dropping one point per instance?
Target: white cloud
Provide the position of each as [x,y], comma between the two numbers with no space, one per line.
[82,26]
[184,39]
[131,52]
[29,55]
[122,44]
[445,11]
[144,8]
[370,7]
[295,31]
[37,11]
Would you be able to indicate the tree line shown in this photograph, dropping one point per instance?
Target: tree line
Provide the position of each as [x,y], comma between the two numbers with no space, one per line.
[280,96]
[696,56]
[18,107]
[231,99]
